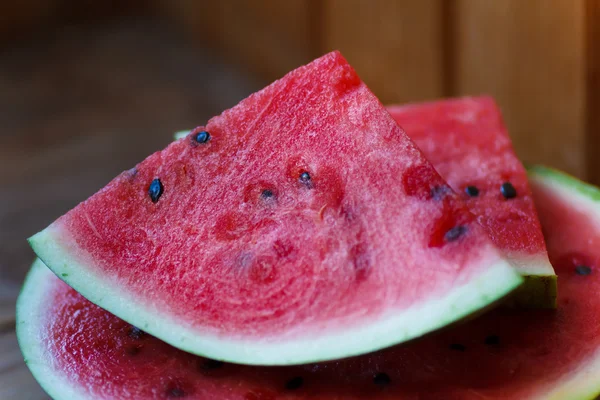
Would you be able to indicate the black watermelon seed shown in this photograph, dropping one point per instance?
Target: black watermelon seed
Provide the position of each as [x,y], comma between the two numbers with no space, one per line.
[382,379]
[210,364]
[508,190]
[438,192]
[455,233]
[175,392]
[134,350]
[135,333]
[492,340]
[583,270]
[306,179]
[202,137]
[472,191]
[457,347]
[267,194]
[155,190]
[294,383]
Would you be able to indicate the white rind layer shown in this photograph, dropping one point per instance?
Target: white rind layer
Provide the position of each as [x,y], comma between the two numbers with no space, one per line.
[32,308]
[574,192]
[582,384]
[537,265]
[492,284]
[180,134]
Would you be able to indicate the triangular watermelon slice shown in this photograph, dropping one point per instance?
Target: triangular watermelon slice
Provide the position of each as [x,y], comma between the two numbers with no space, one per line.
[467,142]
[78,351]
[300,225]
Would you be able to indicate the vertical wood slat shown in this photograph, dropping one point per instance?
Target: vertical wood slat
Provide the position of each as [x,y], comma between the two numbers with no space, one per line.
[30,18]
[19,18]
[396,46]
[592,57]
[530,56]
[269,37]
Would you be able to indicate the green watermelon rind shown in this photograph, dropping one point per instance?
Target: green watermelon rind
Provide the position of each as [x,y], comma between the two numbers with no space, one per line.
[491,285]
[30,304]
[565,183]
[180,134]
[584,383]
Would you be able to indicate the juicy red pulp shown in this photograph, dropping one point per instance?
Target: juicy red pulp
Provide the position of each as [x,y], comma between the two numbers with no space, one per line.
[466,141]
[506,354]
[291,213]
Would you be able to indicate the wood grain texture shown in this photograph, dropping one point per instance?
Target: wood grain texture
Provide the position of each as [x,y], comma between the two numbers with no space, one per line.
[28,18]
[592,59]
[396,46]
[18,18]
[269,37]
[530,56]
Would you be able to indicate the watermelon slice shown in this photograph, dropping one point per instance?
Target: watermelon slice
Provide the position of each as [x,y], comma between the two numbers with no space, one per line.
[76,350]
[466,141]
[300,225]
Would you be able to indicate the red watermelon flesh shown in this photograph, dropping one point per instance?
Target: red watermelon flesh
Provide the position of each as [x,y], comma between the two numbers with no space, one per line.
[77,350]
[467,142]
[301,225]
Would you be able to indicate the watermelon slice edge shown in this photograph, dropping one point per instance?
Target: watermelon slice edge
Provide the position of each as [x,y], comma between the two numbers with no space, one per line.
[466,140]
[240,261]
[490,287]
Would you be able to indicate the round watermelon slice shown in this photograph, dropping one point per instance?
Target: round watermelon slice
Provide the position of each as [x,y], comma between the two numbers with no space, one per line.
[300,225]
[466,141]
[76,350]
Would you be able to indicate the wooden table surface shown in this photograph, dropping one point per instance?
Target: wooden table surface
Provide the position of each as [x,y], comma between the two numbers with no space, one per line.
[77,106]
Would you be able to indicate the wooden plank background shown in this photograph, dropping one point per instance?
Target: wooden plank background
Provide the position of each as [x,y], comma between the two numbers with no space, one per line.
[536,57]
[592,86]
[530,56]
[395,46]
[269,37]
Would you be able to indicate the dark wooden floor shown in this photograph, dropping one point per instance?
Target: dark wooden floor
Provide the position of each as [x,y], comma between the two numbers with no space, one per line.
[77,106]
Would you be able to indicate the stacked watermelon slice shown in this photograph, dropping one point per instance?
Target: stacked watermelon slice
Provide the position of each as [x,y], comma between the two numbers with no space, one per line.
[291,246]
